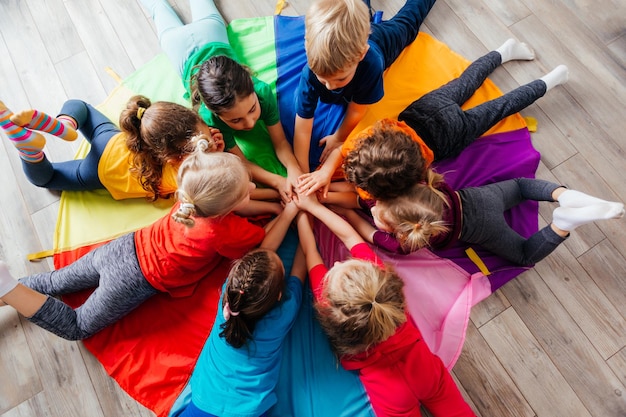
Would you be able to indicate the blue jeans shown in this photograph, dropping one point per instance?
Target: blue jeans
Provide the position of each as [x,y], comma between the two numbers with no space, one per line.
[180,41]
[78,174]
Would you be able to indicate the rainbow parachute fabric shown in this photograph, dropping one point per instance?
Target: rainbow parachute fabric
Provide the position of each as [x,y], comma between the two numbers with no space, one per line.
[152,351]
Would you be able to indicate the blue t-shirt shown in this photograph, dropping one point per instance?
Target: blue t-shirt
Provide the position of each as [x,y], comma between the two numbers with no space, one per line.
[231,382]
[365,88]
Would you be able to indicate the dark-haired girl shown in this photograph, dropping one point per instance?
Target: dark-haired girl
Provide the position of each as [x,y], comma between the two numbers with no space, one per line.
[238,368]
[225,94]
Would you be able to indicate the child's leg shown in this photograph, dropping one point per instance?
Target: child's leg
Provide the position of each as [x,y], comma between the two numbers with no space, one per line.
[112,299]
[393,35]
[481,118]
[29,144]
[36,120]
[484,223]
[462,88]
[207,24]
[79,174]
[180,41]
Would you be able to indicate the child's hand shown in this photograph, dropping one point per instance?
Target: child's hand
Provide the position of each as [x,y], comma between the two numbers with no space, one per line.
[291,208]
[285,189]
[218,137]
[331,142]
[306,202]
[317,180]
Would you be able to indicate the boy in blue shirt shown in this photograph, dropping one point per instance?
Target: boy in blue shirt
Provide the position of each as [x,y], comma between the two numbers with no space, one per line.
[345,64]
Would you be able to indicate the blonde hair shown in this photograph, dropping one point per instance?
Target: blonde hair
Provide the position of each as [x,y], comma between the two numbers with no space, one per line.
[336,33]
[210,184]
[362,304]
[416,216]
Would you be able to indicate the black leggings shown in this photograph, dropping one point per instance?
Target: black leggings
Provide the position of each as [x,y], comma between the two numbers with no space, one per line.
[447,129]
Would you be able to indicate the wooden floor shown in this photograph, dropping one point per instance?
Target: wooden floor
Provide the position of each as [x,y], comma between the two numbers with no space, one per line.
[550,343]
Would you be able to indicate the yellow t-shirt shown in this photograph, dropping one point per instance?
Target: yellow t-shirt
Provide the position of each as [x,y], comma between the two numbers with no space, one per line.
[114,172]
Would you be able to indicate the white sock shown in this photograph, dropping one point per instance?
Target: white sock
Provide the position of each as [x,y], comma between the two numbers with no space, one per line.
[576,199]
[515,50]
[7,282]
[569,218]
[557,76]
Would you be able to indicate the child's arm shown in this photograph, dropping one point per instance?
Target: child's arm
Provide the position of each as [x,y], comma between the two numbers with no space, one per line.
[276,229]
[259,174]
[354,114]
[302,141]
[286,156]
[361,225]
[332,220]
[307,241]
[299,267]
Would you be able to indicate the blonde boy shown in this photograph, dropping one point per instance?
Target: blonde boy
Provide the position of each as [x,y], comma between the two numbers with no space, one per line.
[346,59]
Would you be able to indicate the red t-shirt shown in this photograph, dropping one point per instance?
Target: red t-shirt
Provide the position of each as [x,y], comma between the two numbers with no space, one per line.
[174,257]
[401,372]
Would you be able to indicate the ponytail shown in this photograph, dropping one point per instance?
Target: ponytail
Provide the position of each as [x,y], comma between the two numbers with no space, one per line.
[362,305]
[417,216]
[156,134]
[210,184]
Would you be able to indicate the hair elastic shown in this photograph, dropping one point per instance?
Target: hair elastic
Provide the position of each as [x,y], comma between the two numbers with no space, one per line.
[228,312]
[140,112]
[187,206]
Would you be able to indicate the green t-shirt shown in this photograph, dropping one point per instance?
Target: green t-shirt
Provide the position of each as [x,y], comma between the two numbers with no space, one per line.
[256,143]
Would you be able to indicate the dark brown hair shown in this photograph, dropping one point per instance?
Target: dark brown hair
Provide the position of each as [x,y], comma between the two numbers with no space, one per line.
[253,287]
[219,82]
[385,162]
[156,133]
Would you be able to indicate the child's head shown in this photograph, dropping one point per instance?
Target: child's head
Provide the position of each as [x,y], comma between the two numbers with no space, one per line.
[385,162]
[416,216]
[157,133]
[336,39]
[253,287]
[226,89]
[210,184]
[362,304]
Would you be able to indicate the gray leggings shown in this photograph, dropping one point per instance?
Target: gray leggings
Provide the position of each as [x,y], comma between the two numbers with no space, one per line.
[484,223]
[114,272]
[446,128]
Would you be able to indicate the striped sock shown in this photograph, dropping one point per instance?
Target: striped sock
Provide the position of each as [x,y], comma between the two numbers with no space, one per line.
[37,120]
[29,144]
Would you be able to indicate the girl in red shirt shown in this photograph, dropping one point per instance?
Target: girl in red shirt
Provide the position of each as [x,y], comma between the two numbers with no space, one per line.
[361,307]
[172,255]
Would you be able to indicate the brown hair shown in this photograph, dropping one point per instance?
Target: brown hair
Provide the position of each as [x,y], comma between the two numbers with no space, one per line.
[416,216]
[210,184]
[362,305]
[219,82]
[155,134]
[253,288]
[336,33]
[385,162]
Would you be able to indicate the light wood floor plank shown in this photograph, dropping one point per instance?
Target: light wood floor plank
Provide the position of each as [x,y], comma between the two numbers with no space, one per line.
[530,367]
[561,338]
